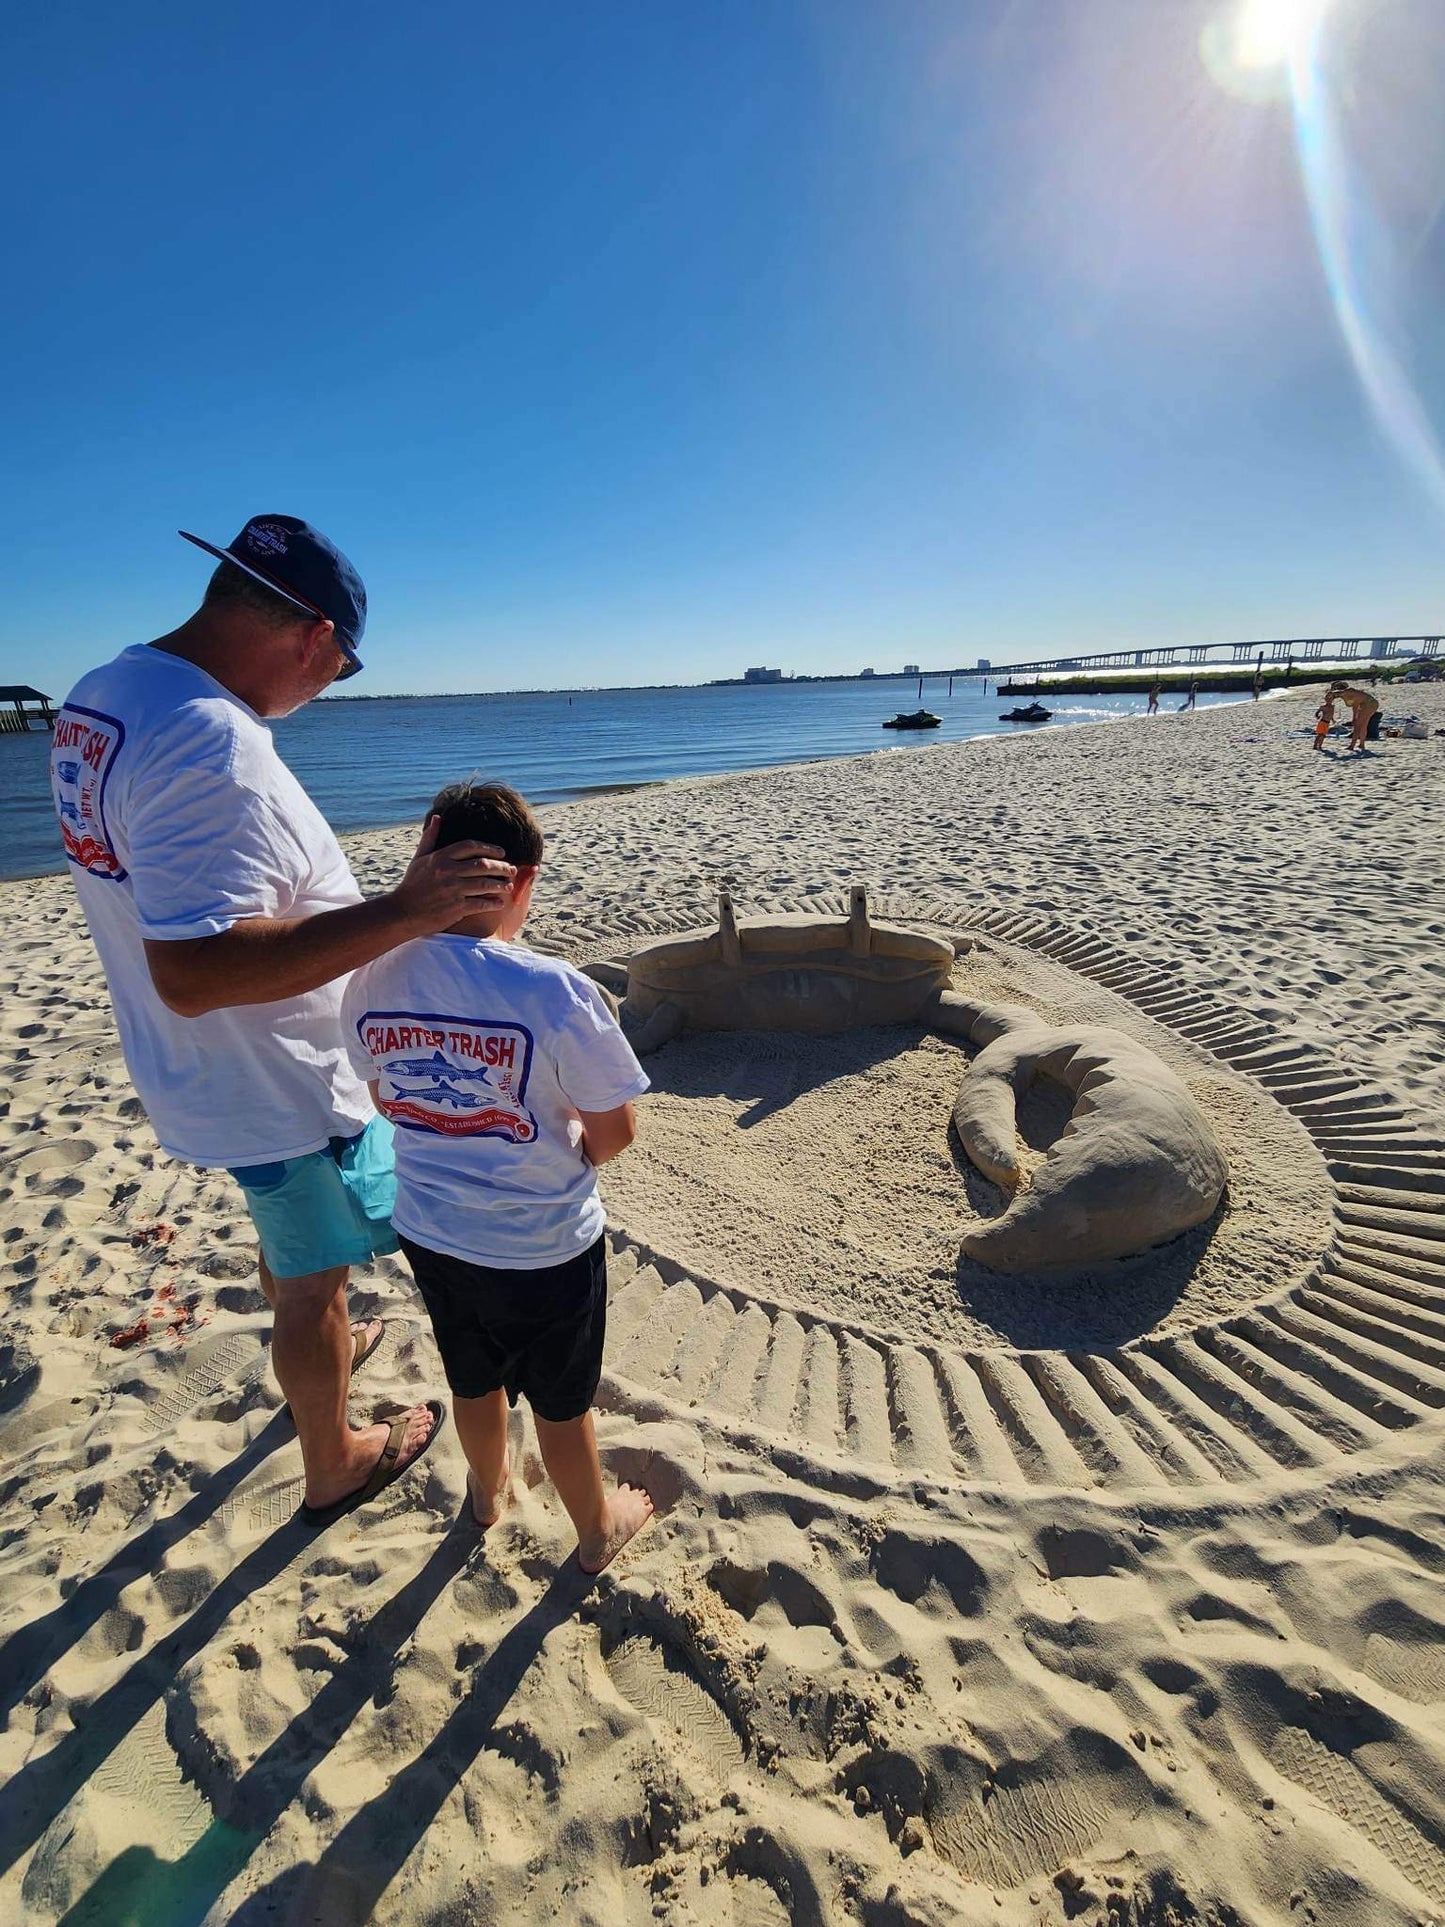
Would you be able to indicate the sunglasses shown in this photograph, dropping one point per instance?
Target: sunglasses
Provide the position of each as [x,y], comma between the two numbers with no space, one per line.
[351,662]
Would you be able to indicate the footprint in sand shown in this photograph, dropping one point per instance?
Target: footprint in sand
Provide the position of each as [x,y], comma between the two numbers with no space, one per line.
[1338,1784]
[1413,1668]
[658,1681]
[49,1171]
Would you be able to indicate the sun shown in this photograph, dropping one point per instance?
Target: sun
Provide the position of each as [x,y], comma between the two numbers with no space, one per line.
[1270,33]
[1250,46]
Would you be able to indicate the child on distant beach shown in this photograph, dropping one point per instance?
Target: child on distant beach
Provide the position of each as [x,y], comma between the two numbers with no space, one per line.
[1324,719]
[509,1081]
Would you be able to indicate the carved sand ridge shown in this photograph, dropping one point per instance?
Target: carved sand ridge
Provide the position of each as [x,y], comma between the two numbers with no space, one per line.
[1342,1364]
[795,973]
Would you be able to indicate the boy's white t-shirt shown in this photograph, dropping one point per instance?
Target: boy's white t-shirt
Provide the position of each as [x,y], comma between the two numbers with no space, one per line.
[483,1052]
[179,820]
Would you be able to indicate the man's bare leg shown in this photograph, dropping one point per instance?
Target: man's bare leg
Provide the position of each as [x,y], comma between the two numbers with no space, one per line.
[482,1429]
[311,1348]
[368,1332]
[604,1522]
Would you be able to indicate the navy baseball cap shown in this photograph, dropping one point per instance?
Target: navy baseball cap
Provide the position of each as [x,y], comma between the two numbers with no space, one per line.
[301,564]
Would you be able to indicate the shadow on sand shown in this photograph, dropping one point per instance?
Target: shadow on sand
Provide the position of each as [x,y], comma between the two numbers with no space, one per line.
[27,1655]
[139,1889]
[768,1070]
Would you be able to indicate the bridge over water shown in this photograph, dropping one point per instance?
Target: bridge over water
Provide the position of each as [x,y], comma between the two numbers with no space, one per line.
[1321,649]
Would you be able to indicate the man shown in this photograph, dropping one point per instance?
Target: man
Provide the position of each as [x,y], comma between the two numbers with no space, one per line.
[227,920]
[1364,713]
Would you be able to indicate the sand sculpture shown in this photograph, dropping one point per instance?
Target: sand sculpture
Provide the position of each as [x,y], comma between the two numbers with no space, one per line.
[821,975]
[1137,1162]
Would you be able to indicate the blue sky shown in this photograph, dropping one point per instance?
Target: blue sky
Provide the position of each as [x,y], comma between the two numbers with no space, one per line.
[644,342]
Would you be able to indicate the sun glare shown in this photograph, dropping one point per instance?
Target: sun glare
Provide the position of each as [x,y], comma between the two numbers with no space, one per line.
[1250,46]
[1271,33]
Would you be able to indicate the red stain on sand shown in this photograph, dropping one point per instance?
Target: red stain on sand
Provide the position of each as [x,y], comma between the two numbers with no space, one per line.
[165,1320]
[159,1233]
[167,1316]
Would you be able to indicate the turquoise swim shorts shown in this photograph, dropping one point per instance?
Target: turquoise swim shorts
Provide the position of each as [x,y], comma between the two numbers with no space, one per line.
[328,1208]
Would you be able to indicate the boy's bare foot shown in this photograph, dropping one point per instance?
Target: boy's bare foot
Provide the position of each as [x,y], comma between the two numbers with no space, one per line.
[485,1513]
[627,1512]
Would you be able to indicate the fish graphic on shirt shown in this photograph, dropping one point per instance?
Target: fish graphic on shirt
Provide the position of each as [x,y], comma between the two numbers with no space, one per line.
[442,1093]
[459,1077]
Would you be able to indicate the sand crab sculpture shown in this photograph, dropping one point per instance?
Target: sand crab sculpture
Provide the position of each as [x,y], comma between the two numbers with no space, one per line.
[1137,1163]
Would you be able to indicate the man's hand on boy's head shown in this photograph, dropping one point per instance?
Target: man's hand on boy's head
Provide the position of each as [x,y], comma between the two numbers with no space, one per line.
[442,886]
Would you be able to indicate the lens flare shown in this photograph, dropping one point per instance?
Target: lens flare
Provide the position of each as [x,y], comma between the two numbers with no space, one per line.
[1368,279]
[1248,45]
[1268,33]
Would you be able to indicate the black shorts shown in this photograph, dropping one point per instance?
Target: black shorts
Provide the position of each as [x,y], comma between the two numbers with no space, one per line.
[532,1333]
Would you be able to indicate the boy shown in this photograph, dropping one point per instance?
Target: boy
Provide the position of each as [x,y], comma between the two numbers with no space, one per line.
[1324,721]
[509,1081]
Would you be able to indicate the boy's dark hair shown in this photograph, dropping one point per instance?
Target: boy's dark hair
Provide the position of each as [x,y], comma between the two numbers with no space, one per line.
[488,813]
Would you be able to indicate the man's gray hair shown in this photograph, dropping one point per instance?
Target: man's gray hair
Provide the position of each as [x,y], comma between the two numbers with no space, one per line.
[232,588]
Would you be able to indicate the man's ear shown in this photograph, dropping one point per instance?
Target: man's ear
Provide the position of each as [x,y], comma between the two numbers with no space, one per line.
[525,874]
[316,637]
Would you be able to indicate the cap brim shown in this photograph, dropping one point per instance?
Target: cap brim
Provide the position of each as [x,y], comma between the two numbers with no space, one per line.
[229,555]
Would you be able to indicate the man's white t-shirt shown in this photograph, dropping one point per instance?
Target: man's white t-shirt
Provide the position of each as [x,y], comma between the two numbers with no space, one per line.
[483,1052]
[179,819]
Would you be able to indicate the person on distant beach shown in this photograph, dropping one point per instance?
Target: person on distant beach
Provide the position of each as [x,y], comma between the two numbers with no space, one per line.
[1364,713]
[1153,709]
[227,918]
[1193,696]
[1258,682]
[1324,721]
[505,1105]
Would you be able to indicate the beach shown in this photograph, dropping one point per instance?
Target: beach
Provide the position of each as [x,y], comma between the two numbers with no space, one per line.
[1111,1596]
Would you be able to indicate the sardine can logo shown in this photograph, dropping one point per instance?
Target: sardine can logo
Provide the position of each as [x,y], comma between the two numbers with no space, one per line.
[453,1075]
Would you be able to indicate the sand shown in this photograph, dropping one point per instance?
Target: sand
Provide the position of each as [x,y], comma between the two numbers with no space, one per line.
[1104,1597]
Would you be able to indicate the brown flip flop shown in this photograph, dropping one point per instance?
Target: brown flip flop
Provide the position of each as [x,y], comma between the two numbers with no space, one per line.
[362,1347]
[386,1470]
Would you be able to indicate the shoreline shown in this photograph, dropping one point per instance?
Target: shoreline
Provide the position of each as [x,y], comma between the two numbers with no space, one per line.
[1139,1618]
[604,789]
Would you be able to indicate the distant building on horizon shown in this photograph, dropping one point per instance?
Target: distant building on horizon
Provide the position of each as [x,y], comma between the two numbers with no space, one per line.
[984,665]
[911,669]
[762,675]
[865,672]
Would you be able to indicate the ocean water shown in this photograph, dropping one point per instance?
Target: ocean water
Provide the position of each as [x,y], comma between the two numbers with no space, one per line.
[373,763]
